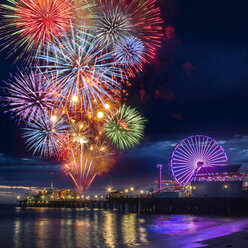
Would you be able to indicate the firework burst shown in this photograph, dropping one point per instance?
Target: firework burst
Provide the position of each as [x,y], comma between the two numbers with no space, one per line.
[89,157]
[113,24]
[27,95]
[47,135]
[130,53]
[124,127]
[28,24]
[84,72]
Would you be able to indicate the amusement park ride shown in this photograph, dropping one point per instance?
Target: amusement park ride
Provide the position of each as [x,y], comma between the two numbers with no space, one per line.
[199,158]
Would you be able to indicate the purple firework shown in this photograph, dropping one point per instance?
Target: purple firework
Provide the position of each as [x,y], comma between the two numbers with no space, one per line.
[27,95]
[196,155]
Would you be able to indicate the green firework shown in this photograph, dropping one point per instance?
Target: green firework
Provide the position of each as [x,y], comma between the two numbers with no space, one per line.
[124,127]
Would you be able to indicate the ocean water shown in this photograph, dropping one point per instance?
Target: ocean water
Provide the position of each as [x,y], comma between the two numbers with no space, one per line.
[82,228]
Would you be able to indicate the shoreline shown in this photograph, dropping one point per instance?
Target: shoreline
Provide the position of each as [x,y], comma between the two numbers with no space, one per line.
[235,240]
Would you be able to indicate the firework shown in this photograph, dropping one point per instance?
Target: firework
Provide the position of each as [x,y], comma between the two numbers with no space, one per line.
[113,23]
[92,158]
[124,127]
[47,135]
[28,24]
[84,72]
[130,54]
[27,95]
[120,19]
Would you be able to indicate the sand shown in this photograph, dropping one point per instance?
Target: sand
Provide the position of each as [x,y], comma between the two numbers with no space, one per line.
[236,240]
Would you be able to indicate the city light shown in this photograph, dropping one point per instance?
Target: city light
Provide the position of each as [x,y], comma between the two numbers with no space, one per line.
[109,189]
[131,189]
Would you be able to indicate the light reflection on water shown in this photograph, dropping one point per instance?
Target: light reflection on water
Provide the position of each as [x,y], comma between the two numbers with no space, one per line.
[96,228]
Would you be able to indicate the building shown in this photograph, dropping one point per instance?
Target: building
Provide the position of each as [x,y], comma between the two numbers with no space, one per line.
[218,189]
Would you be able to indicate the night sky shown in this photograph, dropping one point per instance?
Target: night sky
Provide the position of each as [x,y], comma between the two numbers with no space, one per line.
[197,85]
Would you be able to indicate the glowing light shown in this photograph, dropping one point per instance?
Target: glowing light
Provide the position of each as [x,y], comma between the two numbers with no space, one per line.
[107,106]
[100,115]
[74,98]
[54,118]
[109,189]
[131,189]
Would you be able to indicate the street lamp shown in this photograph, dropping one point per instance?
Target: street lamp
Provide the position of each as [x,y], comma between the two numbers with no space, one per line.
[131,189]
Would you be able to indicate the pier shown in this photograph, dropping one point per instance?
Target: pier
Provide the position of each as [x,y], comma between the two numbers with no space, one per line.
[196,206]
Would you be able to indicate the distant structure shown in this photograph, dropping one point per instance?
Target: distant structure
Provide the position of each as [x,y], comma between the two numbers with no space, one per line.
[195,156]
[159,166]
[52,180]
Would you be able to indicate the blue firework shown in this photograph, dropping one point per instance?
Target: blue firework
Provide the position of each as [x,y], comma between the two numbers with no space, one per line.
[46,135]
[82,68]
[130,53]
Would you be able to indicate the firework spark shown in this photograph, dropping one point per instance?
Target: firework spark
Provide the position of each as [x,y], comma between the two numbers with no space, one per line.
[27,95]
[124,127]
[47,135]
[83,71]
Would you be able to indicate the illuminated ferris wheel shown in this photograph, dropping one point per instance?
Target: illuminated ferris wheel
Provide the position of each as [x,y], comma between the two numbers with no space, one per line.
[196,155]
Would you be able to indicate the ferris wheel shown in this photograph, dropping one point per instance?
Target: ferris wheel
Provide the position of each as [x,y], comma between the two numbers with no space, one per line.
[196,155]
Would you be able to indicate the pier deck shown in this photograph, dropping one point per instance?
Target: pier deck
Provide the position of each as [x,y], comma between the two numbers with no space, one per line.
[196,206]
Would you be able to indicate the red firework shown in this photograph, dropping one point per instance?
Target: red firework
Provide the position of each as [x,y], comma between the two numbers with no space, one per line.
[42,19]
[28,24]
